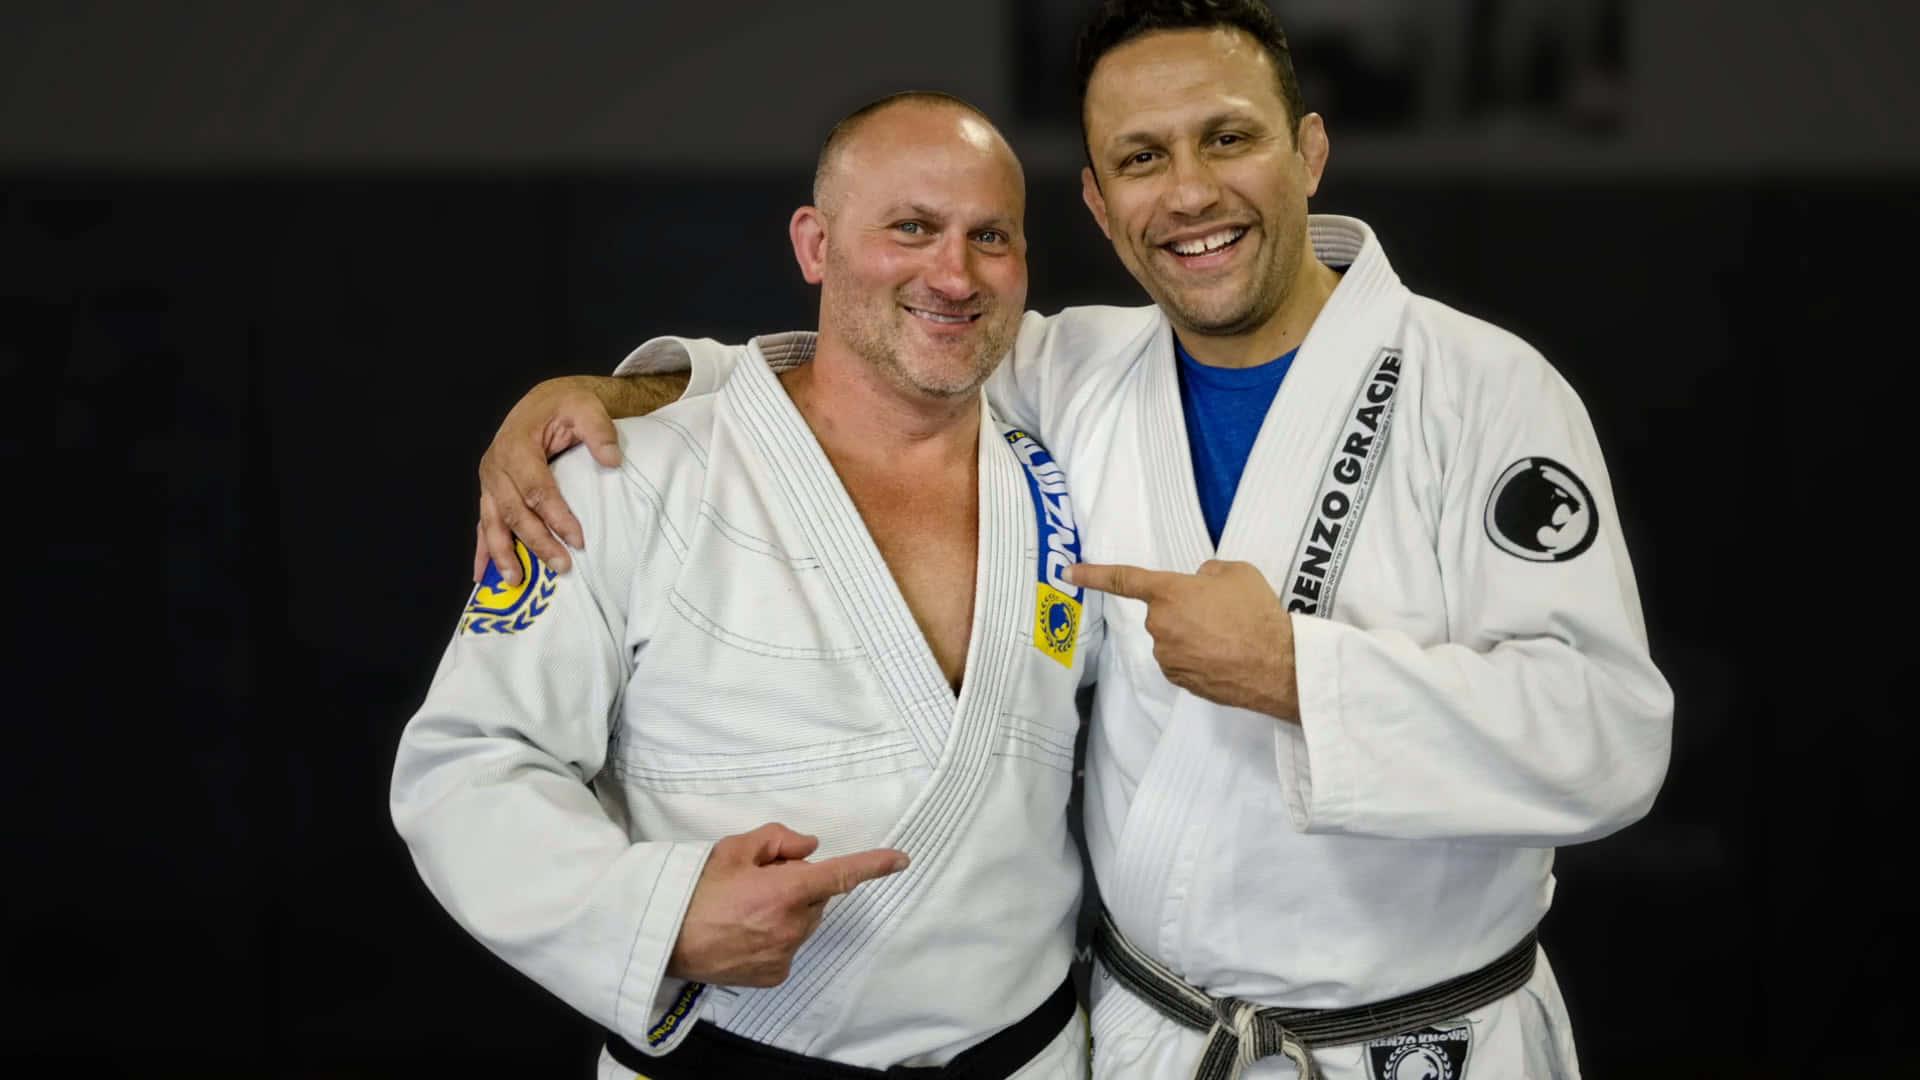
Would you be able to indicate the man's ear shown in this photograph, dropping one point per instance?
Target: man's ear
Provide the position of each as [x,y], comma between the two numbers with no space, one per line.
[1311,140]
[808,230]
[1096,202]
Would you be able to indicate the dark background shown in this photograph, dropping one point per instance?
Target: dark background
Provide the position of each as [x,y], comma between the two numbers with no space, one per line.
[270,274]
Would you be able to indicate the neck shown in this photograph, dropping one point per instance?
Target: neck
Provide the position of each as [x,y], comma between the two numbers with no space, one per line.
[861,417]
[1283,331]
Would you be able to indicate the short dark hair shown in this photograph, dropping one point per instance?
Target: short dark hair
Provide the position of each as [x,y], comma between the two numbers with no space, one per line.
[1120,21]
[851,122]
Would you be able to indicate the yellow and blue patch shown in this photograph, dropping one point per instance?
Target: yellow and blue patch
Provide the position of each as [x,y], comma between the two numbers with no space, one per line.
[676,1013]
[1056,606]
[500,608]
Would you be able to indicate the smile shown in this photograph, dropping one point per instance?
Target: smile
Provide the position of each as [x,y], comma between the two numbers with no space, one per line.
[937,317]
[1208,244]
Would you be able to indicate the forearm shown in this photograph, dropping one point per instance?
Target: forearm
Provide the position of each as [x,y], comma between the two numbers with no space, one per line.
[636,395]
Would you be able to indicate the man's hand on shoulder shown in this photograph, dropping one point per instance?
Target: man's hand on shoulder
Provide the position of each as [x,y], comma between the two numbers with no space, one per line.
[758,900]
[518,496]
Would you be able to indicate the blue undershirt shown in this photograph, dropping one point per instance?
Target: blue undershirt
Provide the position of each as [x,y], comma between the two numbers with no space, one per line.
[1234,402]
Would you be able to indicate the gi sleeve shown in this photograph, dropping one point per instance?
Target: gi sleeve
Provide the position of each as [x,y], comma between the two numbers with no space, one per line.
[490,786]
[1062,367]
[1016,388]
[1542,719]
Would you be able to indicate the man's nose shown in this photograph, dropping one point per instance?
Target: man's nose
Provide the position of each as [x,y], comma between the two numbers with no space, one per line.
[951,272]
[1195,188]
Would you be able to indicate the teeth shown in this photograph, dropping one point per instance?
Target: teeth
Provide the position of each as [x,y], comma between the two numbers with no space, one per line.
[1207,244]
[935,317]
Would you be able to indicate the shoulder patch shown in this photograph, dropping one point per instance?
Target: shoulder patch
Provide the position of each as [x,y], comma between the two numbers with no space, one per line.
[1541,512]
[1435,1053]
[500,608]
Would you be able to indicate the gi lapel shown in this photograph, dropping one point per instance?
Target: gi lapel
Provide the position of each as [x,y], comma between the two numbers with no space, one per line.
[1174,513]
[839,537]
[1301,438]
[1297,447]
[958,736]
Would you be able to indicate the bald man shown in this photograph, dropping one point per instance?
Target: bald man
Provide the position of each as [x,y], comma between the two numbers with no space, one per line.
[747,785]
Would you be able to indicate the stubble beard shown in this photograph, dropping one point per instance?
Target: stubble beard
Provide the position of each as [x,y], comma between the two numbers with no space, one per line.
[1251,309]
[877,334]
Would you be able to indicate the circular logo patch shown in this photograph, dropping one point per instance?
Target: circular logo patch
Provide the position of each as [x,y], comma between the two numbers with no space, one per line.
[1418,1063]
[1541,512]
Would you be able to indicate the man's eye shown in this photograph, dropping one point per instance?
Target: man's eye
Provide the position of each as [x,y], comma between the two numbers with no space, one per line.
[1141,158]
[1227,140]
[992,236]
[911,228]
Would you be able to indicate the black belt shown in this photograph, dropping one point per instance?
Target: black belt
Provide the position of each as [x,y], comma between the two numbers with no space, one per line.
[709,1052]
[1240,1032]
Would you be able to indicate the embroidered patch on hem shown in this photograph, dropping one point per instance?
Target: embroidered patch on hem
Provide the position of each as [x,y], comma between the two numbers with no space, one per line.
[1435,1053]
[677,1014]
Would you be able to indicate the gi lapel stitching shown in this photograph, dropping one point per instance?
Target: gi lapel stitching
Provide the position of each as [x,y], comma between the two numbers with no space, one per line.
[1157,817]
[1176,498]
[852,561]
[1156,849]
[930,828]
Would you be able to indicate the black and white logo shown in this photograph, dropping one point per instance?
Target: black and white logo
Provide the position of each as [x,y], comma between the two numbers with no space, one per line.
[1541,512]
[1435,1053]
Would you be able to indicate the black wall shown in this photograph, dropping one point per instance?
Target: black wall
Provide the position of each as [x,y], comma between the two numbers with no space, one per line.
[271,273]
[246,412]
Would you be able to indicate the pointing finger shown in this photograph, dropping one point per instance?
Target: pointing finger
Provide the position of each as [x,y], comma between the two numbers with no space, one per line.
[832,877]
[1128,581]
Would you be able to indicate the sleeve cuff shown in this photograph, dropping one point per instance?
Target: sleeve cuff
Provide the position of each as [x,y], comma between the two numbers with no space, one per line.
[654,1011]
[1313,757]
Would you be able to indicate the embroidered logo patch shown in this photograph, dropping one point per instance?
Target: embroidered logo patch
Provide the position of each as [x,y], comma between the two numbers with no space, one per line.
[1541,512]
[500,608]
[1435,1053]
[1056,604]
[676,1014]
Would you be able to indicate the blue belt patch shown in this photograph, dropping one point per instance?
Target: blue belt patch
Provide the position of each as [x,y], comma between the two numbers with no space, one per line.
[1056,605]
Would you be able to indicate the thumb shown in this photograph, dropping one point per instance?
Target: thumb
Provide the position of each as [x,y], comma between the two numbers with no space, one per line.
[774,842]
[602,439]
[832,877]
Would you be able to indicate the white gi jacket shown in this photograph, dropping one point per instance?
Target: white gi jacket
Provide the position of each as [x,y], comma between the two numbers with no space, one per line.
[1477,691]
[730,649]
[1428,496]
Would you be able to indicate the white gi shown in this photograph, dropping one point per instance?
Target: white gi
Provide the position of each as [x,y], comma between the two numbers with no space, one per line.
[730,649]
[1476,691]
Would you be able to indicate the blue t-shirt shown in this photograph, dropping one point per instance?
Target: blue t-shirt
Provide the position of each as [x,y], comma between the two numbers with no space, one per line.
[1234,402]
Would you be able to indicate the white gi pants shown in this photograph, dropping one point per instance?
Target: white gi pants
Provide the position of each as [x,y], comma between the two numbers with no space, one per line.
[1523,1036]
[1065,1058]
